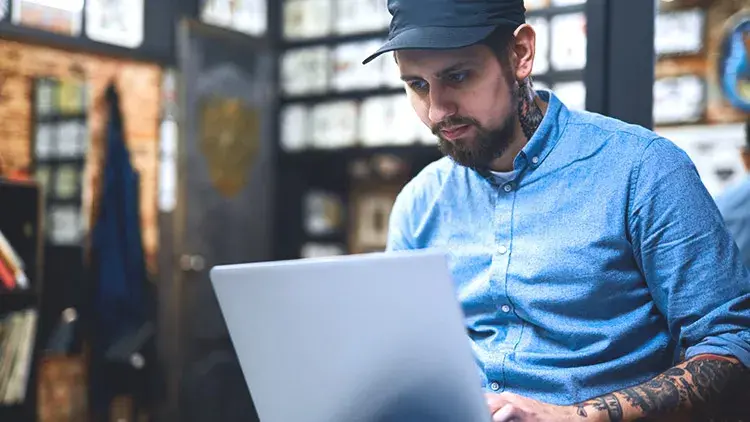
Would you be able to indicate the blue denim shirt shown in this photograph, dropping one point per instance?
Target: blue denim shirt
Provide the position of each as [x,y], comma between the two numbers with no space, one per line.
[734,205]
[592,268]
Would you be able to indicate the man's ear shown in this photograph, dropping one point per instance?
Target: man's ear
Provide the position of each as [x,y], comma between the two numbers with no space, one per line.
[746,158]
[524,50]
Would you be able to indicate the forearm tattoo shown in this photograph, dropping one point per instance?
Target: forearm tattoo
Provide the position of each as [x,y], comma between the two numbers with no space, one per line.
[529,113]
[608,403]
[698,386]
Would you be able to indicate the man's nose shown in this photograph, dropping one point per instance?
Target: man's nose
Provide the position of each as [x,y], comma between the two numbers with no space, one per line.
[442,105]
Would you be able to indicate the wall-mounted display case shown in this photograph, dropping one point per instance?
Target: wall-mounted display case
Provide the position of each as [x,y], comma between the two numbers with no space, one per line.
[343,125]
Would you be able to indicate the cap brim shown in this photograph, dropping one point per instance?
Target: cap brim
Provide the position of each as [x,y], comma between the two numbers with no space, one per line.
[434,38]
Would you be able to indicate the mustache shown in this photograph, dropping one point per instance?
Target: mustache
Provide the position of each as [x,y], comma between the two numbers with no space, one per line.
[453,121]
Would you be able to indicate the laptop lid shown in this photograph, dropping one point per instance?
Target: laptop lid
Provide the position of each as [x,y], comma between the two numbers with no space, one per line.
[373,337]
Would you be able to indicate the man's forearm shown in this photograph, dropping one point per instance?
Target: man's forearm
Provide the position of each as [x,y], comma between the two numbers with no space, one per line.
[694,387]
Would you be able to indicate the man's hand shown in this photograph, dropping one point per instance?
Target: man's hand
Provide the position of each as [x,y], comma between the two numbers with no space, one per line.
[695,388]
[507,407]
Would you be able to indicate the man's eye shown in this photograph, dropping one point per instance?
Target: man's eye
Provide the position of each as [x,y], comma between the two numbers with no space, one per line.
[458,76]
[418,85]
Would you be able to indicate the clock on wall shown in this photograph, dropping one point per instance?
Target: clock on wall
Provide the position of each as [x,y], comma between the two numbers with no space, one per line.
[734,61]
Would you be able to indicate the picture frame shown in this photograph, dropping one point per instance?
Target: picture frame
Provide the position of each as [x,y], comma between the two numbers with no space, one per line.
[116,22]
[568,41]
[680,32]
[305,71]
[245,16]
[370,213]
[63,17]
[679,99]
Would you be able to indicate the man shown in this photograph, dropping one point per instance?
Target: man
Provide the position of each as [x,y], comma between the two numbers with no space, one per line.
[586,253]
[734,205]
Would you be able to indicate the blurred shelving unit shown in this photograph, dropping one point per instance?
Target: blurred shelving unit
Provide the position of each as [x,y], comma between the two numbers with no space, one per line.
[348,139]
[696,105]
[21,252]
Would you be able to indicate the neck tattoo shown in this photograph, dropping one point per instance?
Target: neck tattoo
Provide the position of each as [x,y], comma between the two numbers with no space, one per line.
[529,113]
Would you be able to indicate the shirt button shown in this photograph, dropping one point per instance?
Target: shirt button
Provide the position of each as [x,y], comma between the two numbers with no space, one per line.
[508,188]
[535,160]
[502,250]
[494,386]
[505,308]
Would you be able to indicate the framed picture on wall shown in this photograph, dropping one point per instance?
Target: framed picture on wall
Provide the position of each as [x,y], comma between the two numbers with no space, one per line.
[60,16]
[305,70]
[354,16]
[573,94]
[569,40]
[307,18]
[246,16]
[323,212]
[679,99]
[294,127]
[680,32]
[334,124]
[117,22]
[347,72]
[371,210]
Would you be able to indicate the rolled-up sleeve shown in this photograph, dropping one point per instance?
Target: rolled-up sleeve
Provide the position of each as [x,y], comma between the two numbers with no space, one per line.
[691,263]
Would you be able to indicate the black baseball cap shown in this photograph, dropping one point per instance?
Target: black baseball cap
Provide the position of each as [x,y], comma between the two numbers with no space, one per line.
[446,24]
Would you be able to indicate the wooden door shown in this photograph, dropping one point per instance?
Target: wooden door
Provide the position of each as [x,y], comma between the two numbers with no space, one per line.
[224,210]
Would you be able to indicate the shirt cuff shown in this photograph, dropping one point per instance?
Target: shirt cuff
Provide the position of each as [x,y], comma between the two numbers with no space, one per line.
[728,344]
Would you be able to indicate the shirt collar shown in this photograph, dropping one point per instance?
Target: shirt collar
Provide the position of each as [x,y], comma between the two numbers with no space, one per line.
[536,150]
[547,134]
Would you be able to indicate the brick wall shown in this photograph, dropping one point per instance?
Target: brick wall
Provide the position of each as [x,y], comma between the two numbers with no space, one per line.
[138,85]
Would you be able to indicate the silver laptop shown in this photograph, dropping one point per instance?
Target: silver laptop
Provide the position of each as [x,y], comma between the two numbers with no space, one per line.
[374,337]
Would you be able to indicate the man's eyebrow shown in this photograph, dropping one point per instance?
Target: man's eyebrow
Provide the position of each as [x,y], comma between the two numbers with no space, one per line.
[441,73]
[453,68]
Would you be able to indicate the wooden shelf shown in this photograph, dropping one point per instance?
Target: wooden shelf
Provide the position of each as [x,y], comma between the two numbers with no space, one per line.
[554,77]
[11,411]
[18,300]
[334,39]
[57,118]
[342,95]
[337,237]
[556,10]
[17,413]
[408,151]
[32,35]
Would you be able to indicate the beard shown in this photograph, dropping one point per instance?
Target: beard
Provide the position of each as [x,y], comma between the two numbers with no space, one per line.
[487,145]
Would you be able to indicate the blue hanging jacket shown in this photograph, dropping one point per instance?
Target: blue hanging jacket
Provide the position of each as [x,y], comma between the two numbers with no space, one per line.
[117,248]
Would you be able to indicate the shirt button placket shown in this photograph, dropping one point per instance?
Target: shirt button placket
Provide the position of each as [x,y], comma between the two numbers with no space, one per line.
[501,257]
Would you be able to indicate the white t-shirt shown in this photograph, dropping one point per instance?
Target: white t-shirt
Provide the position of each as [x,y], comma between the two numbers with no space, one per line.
[503,177]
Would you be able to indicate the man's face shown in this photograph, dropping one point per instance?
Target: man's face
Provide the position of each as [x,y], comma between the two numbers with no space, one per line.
[466,97]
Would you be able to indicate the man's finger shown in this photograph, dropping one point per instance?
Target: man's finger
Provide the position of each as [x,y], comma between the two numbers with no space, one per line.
[495,402]
[508,413]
